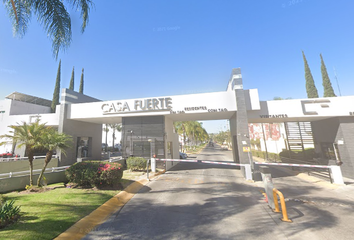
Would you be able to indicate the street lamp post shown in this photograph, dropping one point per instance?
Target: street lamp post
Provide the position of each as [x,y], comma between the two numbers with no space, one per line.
[152,156]
[131,142]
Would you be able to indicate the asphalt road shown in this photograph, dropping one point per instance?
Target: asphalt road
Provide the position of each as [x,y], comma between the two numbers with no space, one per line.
[204,201]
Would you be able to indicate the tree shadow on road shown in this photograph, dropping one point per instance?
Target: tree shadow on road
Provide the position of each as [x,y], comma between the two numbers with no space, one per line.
[237,204]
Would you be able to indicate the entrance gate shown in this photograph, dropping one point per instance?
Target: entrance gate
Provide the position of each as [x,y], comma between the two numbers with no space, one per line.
[246,168]
[335,171]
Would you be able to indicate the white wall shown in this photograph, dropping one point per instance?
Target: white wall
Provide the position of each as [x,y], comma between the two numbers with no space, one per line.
[302,109]
[29,115]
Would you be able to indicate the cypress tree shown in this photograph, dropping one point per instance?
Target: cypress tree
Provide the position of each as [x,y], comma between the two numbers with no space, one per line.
[310,83]
[327,86]
[71,86]
[81,90]
[55,100]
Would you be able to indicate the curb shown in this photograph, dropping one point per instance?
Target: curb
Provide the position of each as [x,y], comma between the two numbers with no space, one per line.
[98,216]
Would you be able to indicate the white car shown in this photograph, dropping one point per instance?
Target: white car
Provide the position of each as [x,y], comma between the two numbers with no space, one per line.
[224,147]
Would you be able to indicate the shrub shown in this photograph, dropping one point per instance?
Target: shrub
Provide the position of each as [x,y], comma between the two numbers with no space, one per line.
[8,213]
[261,154]
[2,199]
[94,173]
[307,154]
[288,154]
[136,163]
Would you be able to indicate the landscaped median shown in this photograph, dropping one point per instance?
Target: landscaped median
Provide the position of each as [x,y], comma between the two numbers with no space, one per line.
[47,214]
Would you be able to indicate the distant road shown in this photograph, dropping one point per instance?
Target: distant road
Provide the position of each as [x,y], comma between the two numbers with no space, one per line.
[204,201]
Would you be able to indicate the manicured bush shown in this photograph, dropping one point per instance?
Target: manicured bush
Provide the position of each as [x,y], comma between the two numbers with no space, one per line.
[258,153]
[261,154]
[94,173]
[288,154]
[8,213]
[2,199]
[136,163]
[307,154]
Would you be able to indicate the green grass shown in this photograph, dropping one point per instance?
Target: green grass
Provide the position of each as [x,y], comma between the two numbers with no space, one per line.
[45,215]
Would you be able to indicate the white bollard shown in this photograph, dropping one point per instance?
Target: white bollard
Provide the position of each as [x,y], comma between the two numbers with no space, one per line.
[336,174]
[248,171]
[153,165]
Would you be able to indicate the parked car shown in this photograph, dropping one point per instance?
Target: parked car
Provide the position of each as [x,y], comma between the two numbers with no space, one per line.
[182,155]
[6,155]
[224,147]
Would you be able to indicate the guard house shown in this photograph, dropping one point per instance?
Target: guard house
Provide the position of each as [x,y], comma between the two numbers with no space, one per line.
[326,124]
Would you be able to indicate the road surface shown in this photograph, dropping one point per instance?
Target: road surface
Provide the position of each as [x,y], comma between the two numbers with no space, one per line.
[203,201]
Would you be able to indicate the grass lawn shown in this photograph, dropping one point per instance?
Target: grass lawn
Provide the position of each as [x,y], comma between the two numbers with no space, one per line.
[45,215]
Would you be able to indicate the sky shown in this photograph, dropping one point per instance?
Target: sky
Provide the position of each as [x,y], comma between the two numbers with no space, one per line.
[149,48]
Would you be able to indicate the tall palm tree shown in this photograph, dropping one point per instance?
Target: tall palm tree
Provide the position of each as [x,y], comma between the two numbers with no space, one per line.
[191,130]
[52,140]
[106,130]
[180,129]
[27,135]
[52,14]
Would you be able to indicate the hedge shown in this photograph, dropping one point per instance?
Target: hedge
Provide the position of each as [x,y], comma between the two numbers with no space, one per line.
[136,163]
[94,173]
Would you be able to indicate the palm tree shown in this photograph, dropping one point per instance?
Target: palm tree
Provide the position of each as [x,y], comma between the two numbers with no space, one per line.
[106,129]
[52,140]
[27,135]
[191,130]
[180,129]
[115,127]
[52,14]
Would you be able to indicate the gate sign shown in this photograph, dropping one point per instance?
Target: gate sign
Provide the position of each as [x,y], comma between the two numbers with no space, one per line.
[246,149]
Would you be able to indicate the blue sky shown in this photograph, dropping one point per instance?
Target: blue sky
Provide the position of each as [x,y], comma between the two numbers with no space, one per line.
[146,48]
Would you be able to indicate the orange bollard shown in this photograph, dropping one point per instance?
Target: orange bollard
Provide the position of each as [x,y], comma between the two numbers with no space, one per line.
[282,203]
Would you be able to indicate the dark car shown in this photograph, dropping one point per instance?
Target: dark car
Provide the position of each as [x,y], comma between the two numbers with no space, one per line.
[182,155]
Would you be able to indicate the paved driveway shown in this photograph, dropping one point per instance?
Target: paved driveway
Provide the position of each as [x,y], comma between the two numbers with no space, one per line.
[201,201]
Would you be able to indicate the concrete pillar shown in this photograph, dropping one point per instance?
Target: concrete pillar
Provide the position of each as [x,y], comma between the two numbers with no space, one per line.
[242,133]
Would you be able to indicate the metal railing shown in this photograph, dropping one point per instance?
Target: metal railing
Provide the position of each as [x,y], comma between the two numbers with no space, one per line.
[25,173]
[11,159]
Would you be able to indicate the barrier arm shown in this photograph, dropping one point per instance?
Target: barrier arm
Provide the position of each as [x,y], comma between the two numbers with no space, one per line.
[282,203]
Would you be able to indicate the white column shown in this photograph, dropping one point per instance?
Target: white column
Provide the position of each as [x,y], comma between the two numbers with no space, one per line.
[336,174]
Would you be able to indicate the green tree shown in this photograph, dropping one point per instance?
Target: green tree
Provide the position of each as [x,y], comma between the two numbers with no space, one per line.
[326,82]
[81,90]
[27,135]
[223,137]
[180,129]
[71,86]
[55,100]
[310,83]
[191,130]
[52,140]
[51,14]
[280,98]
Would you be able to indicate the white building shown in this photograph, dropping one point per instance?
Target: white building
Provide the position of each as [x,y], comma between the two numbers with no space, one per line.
[145,121]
